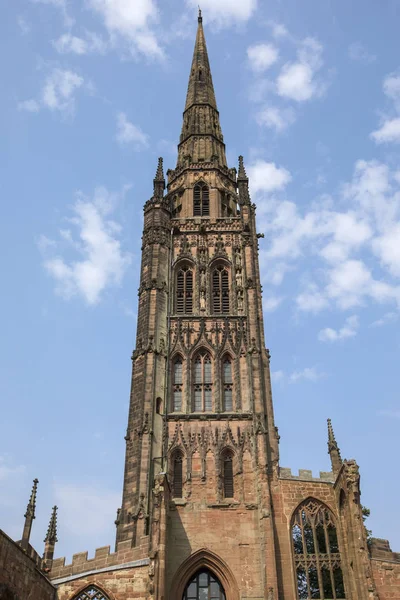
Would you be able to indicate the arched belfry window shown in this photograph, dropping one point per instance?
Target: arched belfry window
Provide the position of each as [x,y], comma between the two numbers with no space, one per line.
[177,475]
[316,553]
[227,474]
[177,383]
[184,290]
[227,384]
[204,586]
[201,200]
[92,592]
[202,382]
[220,289]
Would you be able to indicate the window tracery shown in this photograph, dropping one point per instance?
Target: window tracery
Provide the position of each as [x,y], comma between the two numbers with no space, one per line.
[177,476]
[177,384]
[184,290]
[202,382]
[316,553]
[204,586]
[227,401]
[220,288]
[201,200]
[91,593]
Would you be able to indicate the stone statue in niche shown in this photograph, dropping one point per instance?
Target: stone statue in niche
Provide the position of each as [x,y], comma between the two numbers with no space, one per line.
[239,280]
[203,279]
[202,300]
[238,259]
[240,300]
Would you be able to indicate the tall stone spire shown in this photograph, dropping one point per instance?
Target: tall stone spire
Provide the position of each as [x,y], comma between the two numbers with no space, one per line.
[51,538]
[243,183]
[333,449]
[159,181]
[201,137]
[29,516]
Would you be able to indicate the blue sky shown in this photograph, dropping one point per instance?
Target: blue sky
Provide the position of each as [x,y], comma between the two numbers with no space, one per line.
[92,94]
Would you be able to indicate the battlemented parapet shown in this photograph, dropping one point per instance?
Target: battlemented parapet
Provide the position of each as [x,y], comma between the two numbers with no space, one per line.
[306,475]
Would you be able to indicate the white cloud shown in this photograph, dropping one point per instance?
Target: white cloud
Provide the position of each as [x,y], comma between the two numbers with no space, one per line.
[348,330]
[297,80]
[262,56]
[59,90]
[271,303]
[359,53]
[387,248]
[61,5]
[279,30]
[387,318]
[225,12]
[267,177]
[102,262]
[29,105]
[391,87]
[389,132]
[311,300]
[277,376]
[23,24]
[86,510]
[70,44]
[308,374]
[128,133]
[7,469]
[276,118]
[131,22]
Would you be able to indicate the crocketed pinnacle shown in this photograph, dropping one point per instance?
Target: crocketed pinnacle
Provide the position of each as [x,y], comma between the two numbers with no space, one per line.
[30,509]
[51,536]
[242,171]
[243,184]
[159,180]
[333,448]
[201,139]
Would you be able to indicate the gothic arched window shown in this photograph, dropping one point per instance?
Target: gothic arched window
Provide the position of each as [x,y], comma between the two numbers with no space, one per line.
[316,553]
[227,474]
[220,289]
[177,383]
[184,290]
[202,382]
[204,586]
[177,475]
[201,200]
[227,382]
[92,592]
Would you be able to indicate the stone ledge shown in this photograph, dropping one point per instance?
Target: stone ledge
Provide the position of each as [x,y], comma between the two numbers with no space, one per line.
[136,563]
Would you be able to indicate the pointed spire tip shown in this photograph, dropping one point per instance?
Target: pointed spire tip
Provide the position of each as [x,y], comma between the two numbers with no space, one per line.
[200,18]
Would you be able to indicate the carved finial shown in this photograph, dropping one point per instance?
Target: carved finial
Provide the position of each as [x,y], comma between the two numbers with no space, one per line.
[242,170]
[51,536]
[200,18]
[159,180]
[333,449]
[30,509]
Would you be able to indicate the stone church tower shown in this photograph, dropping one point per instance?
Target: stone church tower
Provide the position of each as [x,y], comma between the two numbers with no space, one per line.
[207,512]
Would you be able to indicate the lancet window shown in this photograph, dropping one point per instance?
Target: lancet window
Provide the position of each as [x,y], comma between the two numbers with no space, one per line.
[202,382]
[227,383]
[316,553]
[201,200]
[184,290]
[220,289]
[177,477]
[227,474]
[177,383]
[92,592]
[204,586]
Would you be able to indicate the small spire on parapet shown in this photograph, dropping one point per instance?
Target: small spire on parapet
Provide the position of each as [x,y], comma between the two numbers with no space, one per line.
[51,535]
[333,449]
[243,183]
[50,539]
[159,180]
[29,516]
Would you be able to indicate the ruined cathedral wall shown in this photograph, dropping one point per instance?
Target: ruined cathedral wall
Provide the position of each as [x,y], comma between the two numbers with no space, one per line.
[385,570]
[287,493]
[118,585]
[19,574]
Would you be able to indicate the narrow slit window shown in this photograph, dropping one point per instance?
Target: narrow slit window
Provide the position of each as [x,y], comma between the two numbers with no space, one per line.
[227,384]
[201,200]
[202,383]
[184,290]
[220,292]
[177,385]
[178,480]
[227,467]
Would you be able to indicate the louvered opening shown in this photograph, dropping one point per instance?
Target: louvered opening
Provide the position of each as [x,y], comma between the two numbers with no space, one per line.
[216,292]
[197,201]
[189,292]
[228,476]
[177,487]
[180,291]
[205,202]
[225,291]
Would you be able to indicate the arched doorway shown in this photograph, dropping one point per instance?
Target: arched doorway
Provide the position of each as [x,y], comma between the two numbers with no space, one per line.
[204,585]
